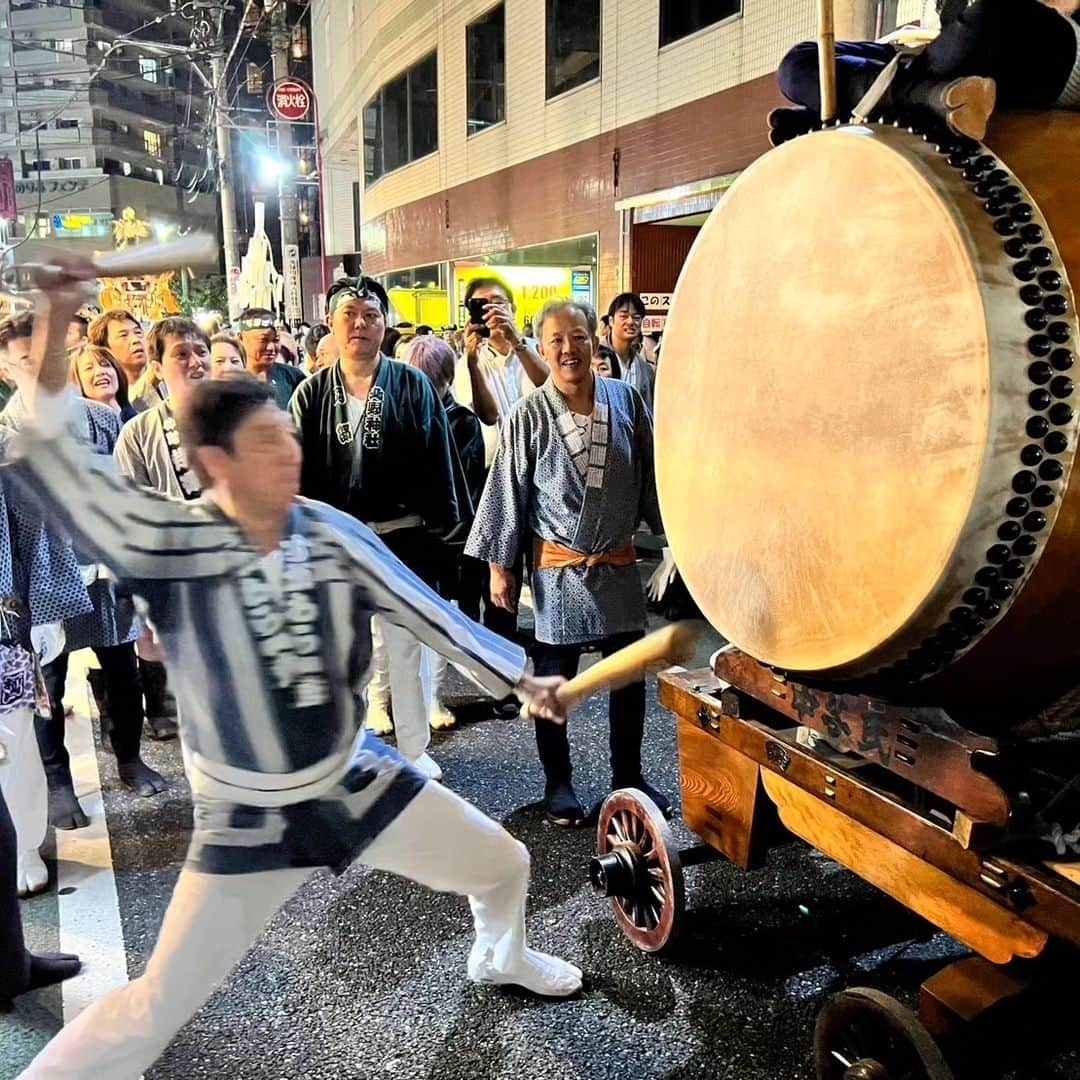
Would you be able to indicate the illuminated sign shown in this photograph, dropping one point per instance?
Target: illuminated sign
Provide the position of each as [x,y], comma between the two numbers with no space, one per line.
[289,100]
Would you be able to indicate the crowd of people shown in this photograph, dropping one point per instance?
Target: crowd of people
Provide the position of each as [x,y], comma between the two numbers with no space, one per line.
[481,459]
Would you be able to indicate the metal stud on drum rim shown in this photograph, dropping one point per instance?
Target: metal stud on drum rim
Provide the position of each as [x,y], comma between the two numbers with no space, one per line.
[863,1034]
[637,866]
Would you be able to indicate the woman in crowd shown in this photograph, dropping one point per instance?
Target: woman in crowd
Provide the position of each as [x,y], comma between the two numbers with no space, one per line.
[605,363]
[98,377]
[227,356]
[437,360]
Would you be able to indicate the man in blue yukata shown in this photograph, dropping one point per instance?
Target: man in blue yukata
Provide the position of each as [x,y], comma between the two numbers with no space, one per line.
[574,476]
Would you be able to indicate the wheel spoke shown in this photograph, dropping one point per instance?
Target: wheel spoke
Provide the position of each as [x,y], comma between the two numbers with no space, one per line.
[660,893]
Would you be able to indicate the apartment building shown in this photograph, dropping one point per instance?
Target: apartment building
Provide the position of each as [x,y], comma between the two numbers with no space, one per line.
[93,125]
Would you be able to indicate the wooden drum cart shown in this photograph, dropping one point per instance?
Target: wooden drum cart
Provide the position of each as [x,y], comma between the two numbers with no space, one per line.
[866,481]
[903,796]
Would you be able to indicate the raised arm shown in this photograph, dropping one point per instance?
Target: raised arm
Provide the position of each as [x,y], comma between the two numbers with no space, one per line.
[483,401]
[138,534]
[400,597]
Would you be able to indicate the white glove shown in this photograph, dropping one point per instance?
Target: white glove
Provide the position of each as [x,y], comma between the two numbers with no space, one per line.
[662,576]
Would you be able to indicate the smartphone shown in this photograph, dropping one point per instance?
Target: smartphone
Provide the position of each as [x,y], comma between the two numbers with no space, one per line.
[477,307]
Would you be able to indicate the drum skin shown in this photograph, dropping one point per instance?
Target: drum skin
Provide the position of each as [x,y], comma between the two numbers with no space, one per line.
[865,415]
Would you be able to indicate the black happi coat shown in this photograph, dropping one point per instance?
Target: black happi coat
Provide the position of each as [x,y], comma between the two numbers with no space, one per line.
[406,464]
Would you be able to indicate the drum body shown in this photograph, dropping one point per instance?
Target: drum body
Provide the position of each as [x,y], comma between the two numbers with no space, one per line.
[865,411]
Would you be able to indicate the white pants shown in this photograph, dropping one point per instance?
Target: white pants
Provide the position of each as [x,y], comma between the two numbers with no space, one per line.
[22,779]
[439,840]
[408,665]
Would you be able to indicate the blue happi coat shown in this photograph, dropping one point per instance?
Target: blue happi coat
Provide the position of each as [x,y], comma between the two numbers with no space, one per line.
[267,657]
[546,482]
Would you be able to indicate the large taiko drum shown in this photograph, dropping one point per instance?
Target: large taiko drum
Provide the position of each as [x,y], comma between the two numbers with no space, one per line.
[866,416]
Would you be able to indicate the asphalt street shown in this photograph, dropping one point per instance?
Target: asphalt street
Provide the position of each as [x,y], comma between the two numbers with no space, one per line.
[363,975]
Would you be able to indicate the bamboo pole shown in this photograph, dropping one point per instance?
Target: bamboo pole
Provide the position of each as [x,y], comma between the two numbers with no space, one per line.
[827,59]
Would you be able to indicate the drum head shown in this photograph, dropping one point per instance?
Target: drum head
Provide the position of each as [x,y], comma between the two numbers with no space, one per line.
[824,400]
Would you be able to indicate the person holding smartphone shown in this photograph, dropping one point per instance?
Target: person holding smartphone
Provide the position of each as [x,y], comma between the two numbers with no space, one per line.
[502,367]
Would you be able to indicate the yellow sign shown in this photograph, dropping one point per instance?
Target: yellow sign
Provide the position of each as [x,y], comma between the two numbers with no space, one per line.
[74,222]
[532,286]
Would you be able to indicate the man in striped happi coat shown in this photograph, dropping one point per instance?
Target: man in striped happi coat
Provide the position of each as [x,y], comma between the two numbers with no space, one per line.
[263,602]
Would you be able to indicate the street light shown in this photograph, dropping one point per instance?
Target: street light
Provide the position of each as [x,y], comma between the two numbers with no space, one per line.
[273,170]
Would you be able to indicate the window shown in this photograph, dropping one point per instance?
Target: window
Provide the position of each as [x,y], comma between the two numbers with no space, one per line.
[66,124]
[356,216]
[148,68]
[680,18]
[70,163]
[573,44]
[395,123]
[401,122]
[36,166]
[372,140]
[298,46]
[253,78]
[485,51]
[152,142]
[424,107]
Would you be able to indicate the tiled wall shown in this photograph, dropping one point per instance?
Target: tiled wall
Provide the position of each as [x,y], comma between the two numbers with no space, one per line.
[371,41]
[572,191]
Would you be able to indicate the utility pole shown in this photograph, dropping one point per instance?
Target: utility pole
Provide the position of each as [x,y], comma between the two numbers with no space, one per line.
[288,211]
[229,237]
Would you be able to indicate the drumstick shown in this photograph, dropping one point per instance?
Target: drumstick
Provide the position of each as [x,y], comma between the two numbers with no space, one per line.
[827,59]
[673,644]
[193,250]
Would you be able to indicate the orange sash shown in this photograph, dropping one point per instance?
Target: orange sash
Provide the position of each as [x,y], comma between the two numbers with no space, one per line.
[548,555]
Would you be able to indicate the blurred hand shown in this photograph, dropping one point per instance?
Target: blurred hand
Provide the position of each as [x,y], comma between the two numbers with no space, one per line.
[540,698]
[503,588]
[65,283]
[662,576]
[473,341]
[499,318]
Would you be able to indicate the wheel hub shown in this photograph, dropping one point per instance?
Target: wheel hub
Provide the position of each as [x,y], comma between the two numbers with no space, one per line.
[618,873]
[866,1069]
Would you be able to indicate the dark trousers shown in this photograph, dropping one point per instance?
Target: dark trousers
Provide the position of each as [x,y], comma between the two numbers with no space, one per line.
[14,959]
[424,554]
[120,671]
[858,64]
[1027,47]
[475,591]
[626,715]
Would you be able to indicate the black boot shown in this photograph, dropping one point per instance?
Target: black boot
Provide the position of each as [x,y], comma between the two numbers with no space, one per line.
[64,809]
[140,779]
[965,105]
[160,721]
[561,805]
[789,123]
[99,697]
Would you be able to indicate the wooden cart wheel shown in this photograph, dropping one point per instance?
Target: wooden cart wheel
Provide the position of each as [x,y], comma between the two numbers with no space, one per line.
[863,1034]
[637,866]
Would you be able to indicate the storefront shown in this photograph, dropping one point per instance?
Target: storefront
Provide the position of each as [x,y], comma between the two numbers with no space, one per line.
[434,295]
[659,229]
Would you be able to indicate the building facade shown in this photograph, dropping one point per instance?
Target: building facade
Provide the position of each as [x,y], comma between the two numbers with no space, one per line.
[83,149]
[576,145]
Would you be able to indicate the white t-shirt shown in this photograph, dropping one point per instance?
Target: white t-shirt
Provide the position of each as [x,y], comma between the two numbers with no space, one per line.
[357,407]
[508,382]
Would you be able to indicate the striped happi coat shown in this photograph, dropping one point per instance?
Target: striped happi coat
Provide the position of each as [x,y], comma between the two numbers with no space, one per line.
[547,483]
[267,666]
